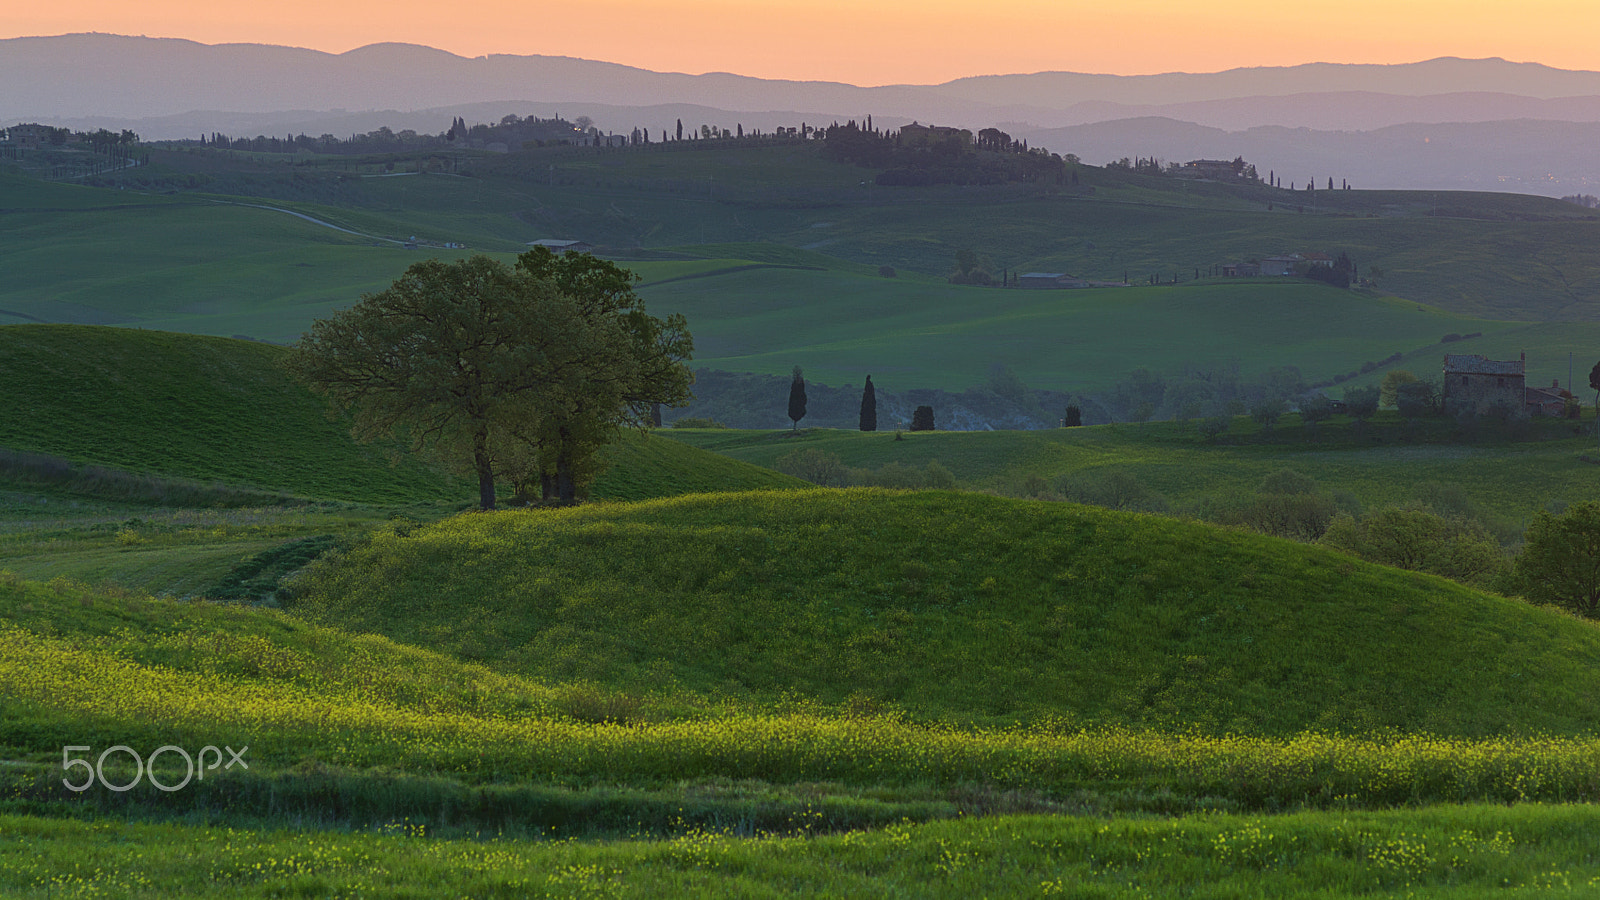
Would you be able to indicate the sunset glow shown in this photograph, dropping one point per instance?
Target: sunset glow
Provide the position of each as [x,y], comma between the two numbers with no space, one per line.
[880,41]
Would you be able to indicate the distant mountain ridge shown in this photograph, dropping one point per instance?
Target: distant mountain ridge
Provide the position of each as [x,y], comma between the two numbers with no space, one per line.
[1316,120]
[82,75]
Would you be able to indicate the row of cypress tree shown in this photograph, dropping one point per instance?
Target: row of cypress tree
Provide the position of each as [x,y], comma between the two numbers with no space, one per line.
[921,420]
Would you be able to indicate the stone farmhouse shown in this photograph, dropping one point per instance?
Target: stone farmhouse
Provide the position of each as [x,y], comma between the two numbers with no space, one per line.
[28,137]
[559,247]
[915,135]
[1482,383]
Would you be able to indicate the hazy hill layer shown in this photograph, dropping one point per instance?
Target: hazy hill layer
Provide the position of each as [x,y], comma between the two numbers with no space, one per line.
[66,76]
[964,606]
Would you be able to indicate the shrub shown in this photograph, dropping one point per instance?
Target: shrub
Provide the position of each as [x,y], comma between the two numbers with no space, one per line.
[693,422]
[1419,539]
[1416,398]
[1287,481]
[1560,561]
[1297,516]
[886,271]
[1266,412]
[1115,489]
[1390,386]
[816,466]
[922,419]
[1315,409]
[1361,403]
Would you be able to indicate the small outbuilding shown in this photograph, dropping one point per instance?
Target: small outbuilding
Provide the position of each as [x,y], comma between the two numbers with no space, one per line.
[1049,280]
[558,246]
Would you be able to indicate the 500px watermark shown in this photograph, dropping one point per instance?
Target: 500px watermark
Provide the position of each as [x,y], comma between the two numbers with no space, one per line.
[145,768]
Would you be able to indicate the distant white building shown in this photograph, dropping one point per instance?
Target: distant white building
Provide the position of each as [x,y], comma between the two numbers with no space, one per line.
[1049,280]
[558,247]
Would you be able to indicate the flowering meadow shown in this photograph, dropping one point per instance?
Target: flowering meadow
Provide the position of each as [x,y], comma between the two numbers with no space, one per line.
[404,738]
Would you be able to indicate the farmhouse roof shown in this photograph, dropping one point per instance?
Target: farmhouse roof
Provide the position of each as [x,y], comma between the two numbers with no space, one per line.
[1473,364]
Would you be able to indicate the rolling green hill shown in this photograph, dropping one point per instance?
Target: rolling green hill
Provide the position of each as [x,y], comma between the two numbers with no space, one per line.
[964,607]
[788,280]
[1385,465]
[197,264]
[222,410]
[196,407]
[915,334]
[1496,256]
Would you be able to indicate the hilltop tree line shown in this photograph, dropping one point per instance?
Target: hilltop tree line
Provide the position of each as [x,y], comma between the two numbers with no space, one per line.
[515,132]
[114,144]
[992,158]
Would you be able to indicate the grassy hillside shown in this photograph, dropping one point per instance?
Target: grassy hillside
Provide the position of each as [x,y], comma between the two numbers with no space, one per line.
[349,730]
[957,606]
[1455,851]
[221,410]
[207,408]
[789,280]
[1495,256]
[97,256]
[910,334]
[647,466]
[1386,464]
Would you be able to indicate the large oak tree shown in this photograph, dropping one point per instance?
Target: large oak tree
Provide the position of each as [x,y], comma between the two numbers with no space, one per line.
[501,371]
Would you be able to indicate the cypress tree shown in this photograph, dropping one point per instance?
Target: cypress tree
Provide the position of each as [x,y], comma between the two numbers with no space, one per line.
[869,407]
[797,399]
[1074,417]
[922,419]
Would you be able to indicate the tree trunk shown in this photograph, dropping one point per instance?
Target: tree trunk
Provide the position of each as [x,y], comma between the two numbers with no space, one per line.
[565,486]
[480,459]
[547,485]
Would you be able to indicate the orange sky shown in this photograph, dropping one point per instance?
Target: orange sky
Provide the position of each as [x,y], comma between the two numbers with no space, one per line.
[877,41]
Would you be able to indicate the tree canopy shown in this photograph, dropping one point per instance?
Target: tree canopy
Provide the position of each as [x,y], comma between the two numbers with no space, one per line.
[516,372]
[1560,560]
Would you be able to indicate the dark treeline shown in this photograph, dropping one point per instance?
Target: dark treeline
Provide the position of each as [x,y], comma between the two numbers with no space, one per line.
[512,131]
[1003,400]
[911,156]
[114,144]
[919,155]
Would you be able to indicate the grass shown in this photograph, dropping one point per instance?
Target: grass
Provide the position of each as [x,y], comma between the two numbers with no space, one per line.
[202,263]
[966,608]
[348,730]
[913,334]
[1467,851]
[191,407]
[1492,256]
[194,410]
[857,688]
[650,465]
[1387,464]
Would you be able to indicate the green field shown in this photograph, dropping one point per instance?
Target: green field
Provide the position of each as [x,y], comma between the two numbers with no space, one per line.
[1386,464]
[964,607]
[381,767]
[715,680]
[193,261]
[1495,256]
[1467,851]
